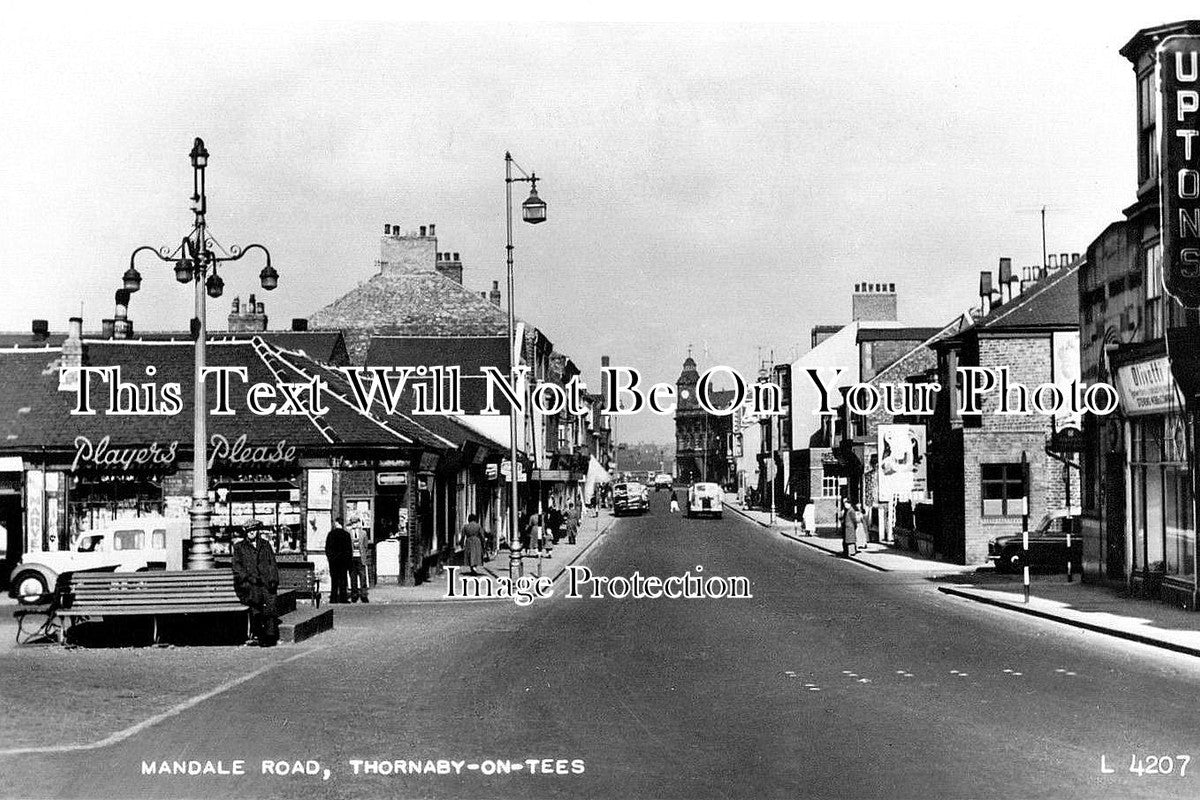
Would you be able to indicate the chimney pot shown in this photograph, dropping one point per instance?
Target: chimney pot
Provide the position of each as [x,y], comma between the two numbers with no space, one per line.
[495,285]
[75,328]
[1005,270]
[1062,259]
[107,327]
[1074,257]
[422,230]
[387,229]
[985,284]
[395,229]
[456,257]
[431,229]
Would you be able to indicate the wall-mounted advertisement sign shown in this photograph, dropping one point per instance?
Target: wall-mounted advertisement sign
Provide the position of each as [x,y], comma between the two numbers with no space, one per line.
[902,462]
[1147,387]
[1179,165]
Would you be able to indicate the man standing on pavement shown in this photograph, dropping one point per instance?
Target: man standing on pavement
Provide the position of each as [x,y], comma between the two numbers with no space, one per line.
[848,519]
[572,522]
[256,579]
[338,551]
[360,552]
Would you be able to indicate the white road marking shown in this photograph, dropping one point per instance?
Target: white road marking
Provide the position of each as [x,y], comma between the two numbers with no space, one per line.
[173,711]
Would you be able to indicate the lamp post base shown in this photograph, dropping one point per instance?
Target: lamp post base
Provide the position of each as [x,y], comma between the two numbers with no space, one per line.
[200,556]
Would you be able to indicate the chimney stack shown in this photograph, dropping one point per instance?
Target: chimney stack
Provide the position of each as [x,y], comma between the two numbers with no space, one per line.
[299,324]
[72,355]
[495,293]
[41,329]
[122,327]
[1005,280]
[985,292]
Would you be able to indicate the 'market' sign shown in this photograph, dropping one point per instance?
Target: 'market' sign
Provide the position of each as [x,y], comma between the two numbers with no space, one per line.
[1179,159]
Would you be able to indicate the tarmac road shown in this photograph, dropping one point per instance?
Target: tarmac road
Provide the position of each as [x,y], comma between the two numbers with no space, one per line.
[831,681]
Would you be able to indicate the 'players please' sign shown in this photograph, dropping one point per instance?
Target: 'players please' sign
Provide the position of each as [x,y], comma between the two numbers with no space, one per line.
[1179,152]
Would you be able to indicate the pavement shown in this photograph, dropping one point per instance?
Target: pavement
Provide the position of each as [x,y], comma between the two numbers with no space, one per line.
[831,680]
[551,564]
[1100,609]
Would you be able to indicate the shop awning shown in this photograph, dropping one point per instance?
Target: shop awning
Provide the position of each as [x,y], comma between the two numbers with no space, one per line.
[596,475]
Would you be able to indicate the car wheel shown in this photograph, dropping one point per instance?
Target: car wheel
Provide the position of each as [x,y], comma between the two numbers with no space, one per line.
[1014,563]
[29,587]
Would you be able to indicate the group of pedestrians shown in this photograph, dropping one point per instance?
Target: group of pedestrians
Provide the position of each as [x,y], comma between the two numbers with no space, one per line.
[852,519]
[347,552]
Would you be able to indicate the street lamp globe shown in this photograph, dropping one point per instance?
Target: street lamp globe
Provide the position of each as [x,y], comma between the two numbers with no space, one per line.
[199,154]
[269,277]
[533,210]
[215,286]
[132,279]
[183,270]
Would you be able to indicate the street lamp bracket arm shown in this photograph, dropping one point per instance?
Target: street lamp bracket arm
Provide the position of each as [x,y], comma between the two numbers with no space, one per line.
[235,253]
[164,253]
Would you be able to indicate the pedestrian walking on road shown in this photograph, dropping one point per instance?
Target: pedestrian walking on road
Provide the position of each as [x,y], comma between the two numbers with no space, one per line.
[472,544]
[256,579]
[848,520]
[860,528]
[674,503]
[339,552]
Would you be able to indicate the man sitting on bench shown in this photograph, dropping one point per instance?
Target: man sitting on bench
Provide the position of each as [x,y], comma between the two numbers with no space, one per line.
[256,579]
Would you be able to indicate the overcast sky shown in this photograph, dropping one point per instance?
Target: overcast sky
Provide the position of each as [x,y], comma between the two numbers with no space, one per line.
[717,183]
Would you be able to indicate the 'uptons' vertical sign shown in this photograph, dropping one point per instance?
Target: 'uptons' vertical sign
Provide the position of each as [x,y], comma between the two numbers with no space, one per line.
[1179,159]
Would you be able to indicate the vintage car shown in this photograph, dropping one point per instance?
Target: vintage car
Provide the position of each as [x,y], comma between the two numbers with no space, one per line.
[1048,547]
[124,545]
[705,499]
[630,498]
[662,481]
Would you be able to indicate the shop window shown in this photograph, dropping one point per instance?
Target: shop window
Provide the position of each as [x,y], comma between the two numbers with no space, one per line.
[831,486]
[158,539]
[129,540]
[1003,490]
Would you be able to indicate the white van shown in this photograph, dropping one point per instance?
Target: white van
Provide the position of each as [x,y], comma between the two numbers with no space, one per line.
[705,498]
[124,546]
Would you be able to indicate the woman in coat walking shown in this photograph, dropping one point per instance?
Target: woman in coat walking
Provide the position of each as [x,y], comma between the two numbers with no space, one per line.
[848,518]
[472,544]
[860,528]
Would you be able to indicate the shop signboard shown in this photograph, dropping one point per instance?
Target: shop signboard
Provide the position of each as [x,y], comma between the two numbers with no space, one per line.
[1146,387]
[1179,166]
[392,479]
[902,462]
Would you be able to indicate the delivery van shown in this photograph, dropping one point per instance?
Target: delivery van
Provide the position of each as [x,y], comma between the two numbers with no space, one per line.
[125,546]
[704,499]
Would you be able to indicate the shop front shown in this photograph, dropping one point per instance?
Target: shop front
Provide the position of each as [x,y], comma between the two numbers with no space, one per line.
[1161,529]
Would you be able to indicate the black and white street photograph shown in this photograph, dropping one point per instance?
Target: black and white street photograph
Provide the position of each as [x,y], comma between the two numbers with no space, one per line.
[641,401]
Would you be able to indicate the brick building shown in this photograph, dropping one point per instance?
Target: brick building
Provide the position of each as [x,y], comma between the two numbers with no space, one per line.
[1138,521]
[984,468]
[703,441]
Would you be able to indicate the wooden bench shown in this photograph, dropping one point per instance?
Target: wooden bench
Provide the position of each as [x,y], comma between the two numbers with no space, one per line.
[300,577]
[154,594]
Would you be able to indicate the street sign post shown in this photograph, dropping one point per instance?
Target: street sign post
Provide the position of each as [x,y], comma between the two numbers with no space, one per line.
[1179,166]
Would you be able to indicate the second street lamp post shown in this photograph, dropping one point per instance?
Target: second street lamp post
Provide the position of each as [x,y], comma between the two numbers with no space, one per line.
[533,211]
[196,263]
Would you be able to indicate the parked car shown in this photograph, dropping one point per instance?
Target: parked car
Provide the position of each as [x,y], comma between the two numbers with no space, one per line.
[630,498]
[1047,545]
[662,481]
[704,499]
[126,546]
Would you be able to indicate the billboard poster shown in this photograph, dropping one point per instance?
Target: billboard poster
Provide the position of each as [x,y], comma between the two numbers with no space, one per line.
[902,462]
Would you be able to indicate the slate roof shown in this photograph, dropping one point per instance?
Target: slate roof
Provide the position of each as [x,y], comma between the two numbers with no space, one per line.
[34,414]
[1050,303]
[328,347]
[409,304]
